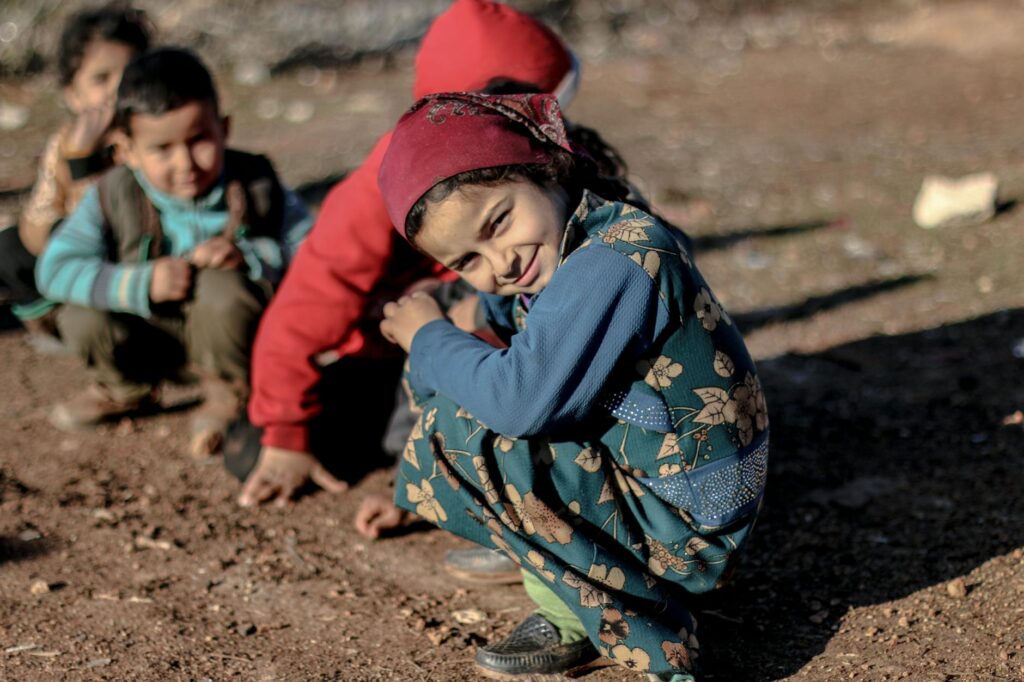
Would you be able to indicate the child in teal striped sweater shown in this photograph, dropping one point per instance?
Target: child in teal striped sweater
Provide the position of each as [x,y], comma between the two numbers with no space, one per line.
[169,261]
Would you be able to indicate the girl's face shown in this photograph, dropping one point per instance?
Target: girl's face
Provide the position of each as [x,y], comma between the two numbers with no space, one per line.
[503,240]
[95,83]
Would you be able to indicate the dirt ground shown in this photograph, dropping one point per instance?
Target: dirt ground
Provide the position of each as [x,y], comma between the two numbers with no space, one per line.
[892,543]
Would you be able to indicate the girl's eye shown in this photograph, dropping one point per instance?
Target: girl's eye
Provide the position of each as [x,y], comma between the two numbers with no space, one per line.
[464,262]
[500,222]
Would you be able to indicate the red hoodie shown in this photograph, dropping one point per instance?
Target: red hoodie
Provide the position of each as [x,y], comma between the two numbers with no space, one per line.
[353,258]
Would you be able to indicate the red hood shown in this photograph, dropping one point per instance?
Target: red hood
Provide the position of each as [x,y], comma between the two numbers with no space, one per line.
[477,40]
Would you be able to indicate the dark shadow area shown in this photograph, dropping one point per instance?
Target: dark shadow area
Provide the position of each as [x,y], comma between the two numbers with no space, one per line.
[13,549]
[891,472]
[721,241]
[16,193]
[1006,206]
[8,322]
[358,397]
[816,304]
[313,192]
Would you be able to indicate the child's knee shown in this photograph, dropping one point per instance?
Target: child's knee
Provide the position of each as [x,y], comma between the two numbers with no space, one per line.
[223,296]
[84,329]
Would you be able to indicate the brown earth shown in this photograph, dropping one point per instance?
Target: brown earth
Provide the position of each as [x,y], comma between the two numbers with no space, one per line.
[892,543]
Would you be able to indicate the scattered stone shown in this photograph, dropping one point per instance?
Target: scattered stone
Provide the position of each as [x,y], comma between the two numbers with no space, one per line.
[469,616]
[97,663]
[251,73]
[904,622]
[13,116]
[871,631]
[39,587]
[18,648]
[956,588]
[299,112]
[945,201]
[818,617]
[29,535]
[143,542]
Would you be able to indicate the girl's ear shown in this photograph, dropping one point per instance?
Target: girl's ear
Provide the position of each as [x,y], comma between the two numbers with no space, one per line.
[124,148]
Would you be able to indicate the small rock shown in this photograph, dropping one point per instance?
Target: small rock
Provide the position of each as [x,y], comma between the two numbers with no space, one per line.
[469,616]
[904,622]
[871,631]
[13,116]
[39,587]
[819,617]
[251,73]
[299,112]
[956,201]
[956,588]
[97,663]
[29,535]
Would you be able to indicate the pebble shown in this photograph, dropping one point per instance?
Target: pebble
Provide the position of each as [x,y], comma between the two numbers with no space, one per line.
[29,535]
[39,587]
[956,588]
[946,201]
[469,616]
[871,631]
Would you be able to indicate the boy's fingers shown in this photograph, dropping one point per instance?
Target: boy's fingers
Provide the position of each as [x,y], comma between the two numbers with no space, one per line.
[323,478]
[256,490]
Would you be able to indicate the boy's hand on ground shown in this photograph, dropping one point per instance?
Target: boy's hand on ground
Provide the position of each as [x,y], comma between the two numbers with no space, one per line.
[87,131]
[171,280]
[218,253]
[404,317]
[280,473]
[378,514]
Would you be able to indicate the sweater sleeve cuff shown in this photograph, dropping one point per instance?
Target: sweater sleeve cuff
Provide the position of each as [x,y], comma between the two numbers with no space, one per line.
[424,346]
[86,166]
[287,436]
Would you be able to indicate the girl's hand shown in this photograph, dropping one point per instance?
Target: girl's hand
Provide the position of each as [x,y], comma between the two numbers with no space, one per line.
[378,514]
[404,317]
[88,130]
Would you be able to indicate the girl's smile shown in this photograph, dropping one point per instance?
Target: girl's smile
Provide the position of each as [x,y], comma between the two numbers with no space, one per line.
[503,239]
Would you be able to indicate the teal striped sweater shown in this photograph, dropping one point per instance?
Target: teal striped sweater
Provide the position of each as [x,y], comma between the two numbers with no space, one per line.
[74,267]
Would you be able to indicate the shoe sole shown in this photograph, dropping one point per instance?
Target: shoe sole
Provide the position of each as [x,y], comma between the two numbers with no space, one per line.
[502,578]
[595,664]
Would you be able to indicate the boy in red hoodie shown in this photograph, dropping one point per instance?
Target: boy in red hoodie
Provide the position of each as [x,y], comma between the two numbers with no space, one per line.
[353,261]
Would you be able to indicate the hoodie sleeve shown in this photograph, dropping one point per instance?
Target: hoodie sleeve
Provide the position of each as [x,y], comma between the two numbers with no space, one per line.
[74,267]
[319,304]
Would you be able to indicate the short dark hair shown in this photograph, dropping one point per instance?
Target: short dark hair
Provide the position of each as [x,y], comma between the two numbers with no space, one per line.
[160,81]
[113,23]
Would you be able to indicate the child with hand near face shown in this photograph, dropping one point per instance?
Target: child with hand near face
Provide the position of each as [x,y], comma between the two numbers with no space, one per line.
[169,261]
[94,48]
[617,448]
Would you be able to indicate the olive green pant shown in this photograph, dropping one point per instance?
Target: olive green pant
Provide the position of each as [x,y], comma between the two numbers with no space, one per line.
[211,332]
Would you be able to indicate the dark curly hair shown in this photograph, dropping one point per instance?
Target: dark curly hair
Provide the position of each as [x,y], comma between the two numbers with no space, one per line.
[162,80]
[114,23]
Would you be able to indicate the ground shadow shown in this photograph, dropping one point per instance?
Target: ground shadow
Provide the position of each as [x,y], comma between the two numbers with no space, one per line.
[816,304]
[14,549]
[720,241]
[891,472]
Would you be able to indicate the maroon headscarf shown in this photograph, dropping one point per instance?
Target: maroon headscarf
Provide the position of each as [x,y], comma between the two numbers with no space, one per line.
[451,133]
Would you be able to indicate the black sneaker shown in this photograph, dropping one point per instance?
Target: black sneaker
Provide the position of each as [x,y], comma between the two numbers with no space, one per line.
[533,648]
[482,565]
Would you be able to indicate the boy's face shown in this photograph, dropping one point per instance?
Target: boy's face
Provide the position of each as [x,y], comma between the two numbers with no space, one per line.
[503,240]
[180,152]
[95,83]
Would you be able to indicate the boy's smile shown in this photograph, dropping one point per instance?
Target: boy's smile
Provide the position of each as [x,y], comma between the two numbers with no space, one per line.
[504,239]
[180,152]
